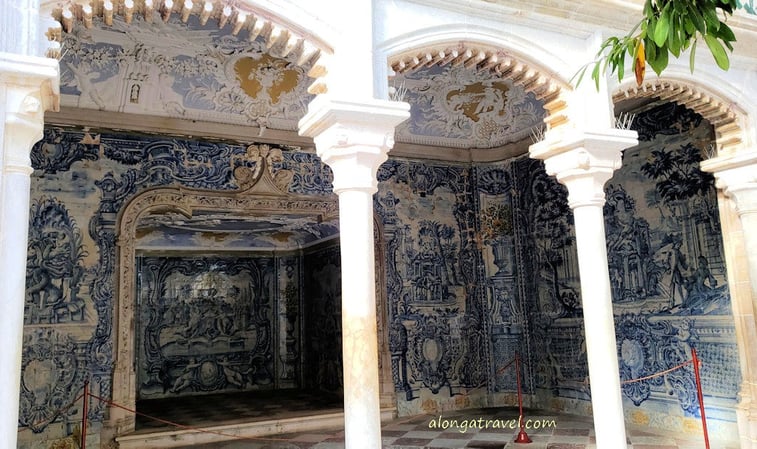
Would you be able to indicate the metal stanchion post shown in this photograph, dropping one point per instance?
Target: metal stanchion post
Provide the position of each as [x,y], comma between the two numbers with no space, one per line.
[85,411]
[522,435]
[700,397]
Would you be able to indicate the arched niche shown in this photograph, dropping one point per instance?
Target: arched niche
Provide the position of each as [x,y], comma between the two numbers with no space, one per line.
[262,193]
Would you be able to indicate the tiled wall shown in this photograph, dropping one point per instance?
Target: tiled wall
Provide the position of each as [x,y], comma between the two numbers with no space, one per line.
[205,325]
[81,182]
[480,264]
[667,277]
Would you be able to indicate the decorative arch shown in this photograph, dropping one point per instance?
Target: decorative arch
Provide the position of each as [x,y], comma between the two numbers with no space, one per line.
[720,104]
[526,64]
[717,105]
[259,194]
[284,27]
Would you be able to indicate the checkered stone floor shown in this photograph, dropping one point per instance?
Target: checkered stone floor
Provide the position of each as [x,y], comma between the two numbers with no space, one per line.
[208,410]
[422,432]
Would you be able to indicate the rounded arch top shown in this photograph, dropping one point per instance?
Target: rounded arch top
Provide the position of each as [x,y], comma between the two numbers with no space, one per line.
[502,54]
[285,27]
[716,101]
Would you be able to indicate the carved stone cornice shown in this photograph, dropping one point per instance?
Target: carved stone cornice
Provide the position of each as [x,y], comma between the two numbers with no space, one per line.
[724,115]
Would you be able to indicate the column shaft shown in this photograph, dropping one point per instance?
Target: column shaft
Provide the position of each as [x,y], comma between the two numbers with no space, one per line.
[14,225]
[359,333]
[28,86]
[749,226]
[599,327]
[583,161]
[354,139]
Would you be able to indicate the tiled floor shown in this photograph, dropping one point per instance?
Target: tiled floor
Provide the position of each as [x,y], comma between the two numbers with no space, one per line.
[212,409]
[493,428]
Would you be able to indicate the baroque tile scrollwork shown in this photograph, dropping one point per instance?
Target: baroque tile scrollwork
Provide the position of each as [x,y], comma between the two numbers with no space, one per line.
[55,272]
[431,278]
[647,348]
[53,371]
[291,311]
[123,166]
[435,351]
[480,264]
[220,77]
[58,150]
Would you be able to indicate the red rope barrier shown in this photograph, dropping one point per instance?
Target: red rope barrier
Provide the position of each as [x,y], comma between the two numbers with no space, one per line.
[182,426]
[522,435]
[652,376]
[85,411]
[502,370]
[700,397]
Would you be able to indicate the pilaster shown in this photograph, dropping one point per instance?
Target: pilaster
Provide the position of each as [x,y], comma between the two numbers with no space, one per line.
[354,139]
[583,161]
[28,86]
[736,176]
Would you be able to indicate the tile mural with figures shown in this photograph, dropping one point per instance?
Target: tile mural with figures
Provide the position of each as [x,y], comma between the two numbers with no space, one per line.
[206,325]
[480,264]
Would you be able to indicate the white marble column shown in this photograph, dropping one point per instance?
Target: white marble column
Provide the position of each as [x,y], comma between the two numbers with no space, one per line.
[28,86]
[736,175]
[583,162]
[353,138]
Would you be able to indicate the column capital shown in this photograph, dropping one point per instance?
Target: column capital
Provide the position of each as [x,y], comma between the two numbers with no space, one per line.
[33,72]
[583,160]
[353,137]
[737,175]
[29,85]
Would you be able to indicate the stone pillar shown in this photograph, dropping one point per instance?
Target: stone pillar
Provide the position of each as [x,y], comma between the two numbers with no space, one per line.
[353,138]
[28,86]
[736,176]
[583,162]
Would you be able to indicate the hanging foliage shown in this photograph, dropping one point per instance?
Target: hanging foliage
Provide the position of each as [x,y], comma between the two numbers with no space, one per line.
[669,27]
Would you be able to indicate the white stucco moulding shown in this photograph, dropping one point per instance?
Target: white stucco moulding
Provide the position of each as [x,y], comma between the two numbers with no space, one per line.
[353,137]
[31,86]
[737,176]
[584,160]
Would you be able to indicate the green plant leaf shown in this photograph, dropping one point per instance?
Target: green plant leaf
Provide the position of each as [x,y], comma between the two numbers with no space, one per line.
[621,66]
[710,18]
[595,75]
[673,43]
[726,33]
[663,26]
[717,50]
[659,63]
[692,56]
[648,11]
[696,17]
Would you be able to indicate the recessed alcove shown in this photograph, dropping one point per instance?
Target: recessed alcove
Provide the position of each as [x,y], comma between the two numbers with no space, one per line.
[229,294]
